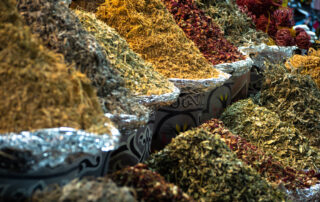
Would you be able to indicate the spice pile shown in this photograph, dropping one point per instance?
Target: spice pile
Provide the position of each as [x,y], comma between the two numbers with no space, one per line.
[202,165]
[203,32]
[308,64]
[38,90]
[139,76]
[152,32]
[273,170]
[148,185]
[296,99]
[93,190]
[61,31]
[270,17]
[87,5]
[236,26]
[264,129]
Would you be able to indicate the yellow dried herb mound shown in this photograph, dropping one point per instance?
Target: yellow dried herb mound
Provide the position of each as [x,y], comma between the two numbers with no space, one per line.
[152,32]
[138,75]
[309,64]
[37,89]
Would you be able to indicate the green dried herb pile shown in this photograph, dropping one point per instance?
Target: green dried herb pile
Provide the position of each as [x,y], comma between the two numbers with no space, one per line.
[37,89]
[148,185]
[61,31]
[151,31]
[265,164]
[295,98]
[92,190]
[204,167]
[140,77]
[264,129]
[238,28]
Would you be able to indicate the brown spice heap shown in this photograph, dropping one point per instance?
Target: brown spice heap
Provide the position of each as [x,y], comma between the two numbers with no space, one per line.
[87,5]
[61,31]
[308,64]
[149,185]
[93,190]
[152,32]
[204,167]
[272,170]
[295,98]
[238,28]
[38,90]
[264,129]
[140,77]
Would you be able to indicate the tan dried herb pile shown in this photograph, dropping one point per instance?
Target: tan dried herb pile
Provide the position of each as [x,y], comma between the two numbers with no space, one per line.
[264,129]
[265,164]
[92,190]
[308,64]
[204,167]
[238,28]
[38,90]
[138,75]
[61,31]
[149,185]
[152,32]
[295,98]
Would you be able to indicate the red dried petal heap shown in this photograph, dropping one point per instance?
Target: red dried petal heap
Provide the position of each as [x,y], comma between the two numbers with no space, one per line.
[284,38]
[303,40]
[203,32]
[265,165]
[284,17]
[270,17]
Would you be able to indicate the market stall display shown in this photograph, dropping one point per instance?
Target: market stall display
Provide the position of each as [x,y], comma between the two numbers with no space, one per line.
[92,88]
[204,167]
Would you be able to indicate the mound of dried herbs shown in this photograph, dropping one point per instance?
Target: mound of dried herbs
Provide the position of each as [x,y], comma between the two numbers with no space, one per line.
[38,90]
[152,32]
[264,129]
[87,5]
[140,77]
[148,185]
[204,167]
[295,98]
[203,32]
[237,27]
[265,164]
[61,31]
[92,190]
[307,64]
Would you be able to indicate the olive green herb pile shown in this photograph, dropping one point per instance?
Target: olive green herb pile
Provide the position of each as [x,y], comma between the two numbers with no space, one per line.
[202,165]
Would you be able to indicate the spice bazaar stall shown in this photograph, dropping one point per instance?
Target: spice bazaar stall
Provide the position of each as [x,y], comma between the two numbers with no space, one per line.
[148,100]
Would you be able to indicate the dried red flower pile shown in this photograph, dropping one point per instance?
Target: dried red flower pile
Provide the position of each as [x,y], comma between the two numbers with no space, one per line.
[269,16]
[203,32]
[274,171]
